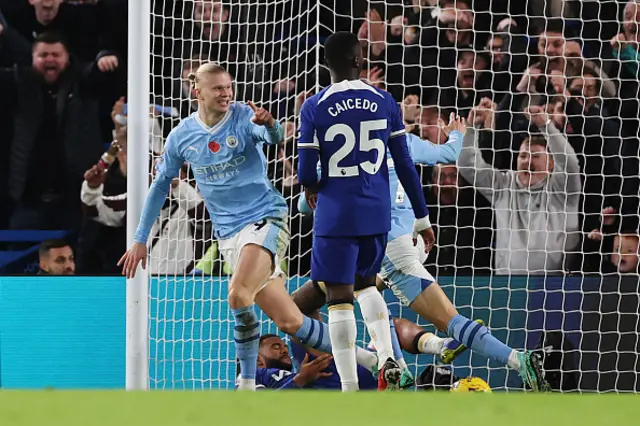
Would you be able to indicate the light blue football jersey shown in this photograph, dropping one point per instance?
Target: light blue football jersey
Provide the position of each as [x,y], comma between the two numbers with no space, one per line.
[229,166]
[422,152]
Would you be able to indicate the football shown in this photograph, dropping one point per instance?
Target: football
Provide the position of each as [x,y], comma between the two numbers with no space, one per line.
[470,384]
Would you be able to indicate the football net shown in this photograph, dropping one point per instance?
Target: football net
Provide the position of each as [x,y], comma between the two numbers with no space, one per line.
[526,249]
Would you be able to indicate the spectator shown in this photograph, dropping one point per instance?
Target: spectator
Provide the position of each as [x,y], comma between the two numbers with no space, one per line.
[83,25]
[14,49]
[472,80]
[178,238]
[428,124]
[56,258]
[102,238]
[388,58]
[451,27]
[56,132]
[509,53]
[536,207]
[187,102]
[621,244]
[156,140]
[462,224]
[204,32]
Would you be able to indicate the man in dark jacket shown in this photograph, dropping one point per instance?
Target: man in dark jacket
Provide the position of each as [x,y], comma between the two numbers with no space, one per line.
[56,134]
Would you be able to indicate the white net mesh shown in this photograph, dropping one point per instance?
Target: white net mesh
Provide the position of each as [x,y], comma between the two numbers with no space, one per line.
[513,225]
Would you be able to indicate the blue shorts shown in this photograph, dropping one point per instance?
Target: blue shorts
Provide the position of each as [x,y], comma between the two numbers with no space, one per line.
[338,260]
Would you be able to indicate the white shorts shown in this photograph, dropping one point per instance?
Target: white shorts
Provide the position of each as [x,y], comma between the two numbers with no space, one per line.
[272,234]
[403,270]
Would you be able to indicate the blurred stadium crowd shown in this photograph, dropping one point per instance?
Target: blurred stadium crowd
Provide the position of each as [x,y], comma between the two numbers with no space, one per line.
[518,202]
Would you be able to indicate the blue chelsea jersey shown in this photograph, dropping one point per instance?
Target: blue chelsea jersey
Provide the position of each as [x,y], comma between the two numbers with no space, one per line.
[351,124]
[422,152]
[229,166]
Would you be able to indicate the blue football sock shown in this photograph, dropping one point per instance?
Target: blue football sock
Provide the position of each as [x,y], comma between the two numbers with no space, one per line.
[247,337]
[477,338]
[397,350]
[314,334]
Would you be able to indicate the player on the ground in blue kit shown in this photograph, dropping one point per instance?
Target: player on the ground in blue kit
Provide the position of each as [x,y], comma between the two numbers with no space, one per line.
[403,271]
[222,142]
[298,367]
[348,127]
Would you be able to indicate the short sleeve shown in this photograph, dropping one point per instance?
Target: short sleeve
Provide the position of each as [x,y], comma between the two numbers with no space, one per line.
[395,120]
[171,159]
[306,129]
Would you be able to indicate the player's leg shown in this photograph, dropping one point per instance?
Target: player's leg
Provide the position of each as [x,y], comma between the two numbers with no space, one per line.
[309,298]
[277,304]
[251,254]
[333,261]
[252,269]
[416,288]
[415,339]
[407,378]
[374,308]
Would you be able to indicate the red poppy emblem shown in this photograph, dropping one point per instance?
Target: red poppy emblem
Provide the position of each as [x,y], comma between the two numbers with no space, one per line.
[214,146]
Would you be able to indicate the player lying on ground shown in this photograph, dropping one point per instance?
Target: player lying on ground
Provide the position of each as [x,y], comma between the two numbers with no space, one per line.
[347,127]
[222,142]
[316,370]
[403,271]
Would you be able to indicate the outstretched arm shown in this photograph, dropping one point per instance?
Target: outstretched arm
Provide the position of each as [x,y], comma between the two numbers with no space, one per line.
[566,172]
[167,169]
[475,170]
[428,153]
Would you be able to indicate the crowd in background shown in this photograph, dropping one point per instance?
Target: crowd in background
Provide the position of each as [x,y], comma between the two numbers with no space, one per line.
[547,183]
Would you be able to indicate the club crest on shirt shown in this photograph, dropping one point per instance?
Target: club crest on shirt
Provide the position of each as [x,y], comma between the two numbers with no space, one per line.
[214,146]
[231,141]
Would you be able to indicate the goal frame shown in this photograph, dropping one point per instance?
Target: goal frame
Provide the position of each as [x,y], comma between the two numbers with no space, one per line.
[138,89]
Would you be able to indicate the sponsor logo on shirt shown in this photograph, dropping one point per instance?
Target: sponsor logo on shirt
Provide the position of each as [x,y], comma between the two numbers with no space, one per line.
[213,172]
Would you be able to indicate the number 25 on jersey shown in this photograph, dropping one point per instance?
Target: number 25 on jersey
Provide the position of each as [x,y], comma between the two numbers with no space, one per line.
[365,145]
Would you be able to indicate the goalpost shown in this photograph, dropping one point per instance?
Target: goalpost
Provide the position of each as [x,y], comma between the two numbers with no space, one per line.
[137,295]
[179,328]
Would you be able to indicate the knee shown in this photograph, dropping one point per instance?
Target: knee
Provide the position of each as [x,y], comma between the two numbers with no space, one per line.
[339,294]
[239,297]
[289,325]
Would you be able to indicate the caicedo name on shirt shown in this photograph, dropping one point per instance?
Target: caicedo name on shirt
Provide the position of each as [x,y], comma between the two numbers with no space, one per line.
[350,104]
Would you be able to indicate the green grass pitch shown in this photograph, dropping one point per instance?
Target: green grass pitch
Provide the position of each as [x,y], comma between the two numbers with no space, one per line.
[310,408]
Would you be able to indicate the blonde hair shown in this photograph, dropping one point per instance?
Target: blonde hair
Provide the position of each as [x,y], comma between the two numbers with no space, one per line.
[208,68]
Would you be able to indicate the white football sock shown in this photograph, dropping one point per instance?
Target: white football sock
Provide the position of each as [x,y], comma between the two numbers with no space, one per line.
[429,343]
[247,384]
[343,332]
[513,360]
[376,316]
[367,359]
